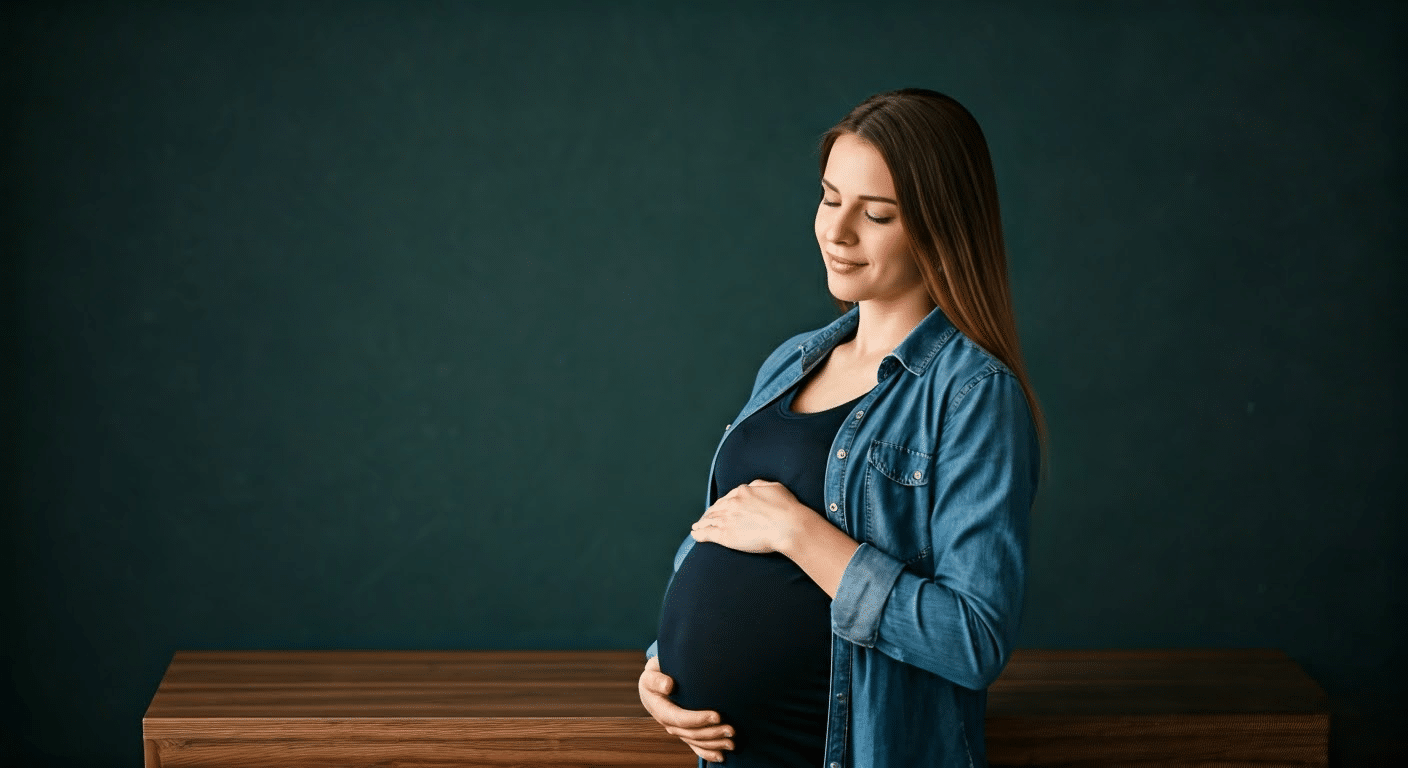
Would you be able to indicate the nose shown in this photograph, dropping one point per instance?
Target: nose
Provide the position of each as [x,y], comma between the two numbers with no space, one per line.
[836,229]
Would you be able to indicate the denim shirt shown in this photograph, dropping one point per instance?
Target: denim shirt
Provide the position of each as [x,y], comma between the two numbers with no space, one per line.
[934,475]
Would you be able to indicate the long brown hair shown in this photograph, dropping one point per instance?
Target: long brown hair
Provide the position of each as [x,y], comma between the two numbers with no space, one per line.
[947,197]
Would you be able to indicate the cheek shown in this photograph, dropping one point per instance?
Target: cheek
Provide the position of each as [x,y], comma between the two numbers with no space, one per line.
[896,254]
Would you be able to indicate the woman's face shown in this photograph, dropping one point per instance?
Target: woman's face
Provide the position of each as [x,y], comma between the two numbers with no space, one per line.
[859,229]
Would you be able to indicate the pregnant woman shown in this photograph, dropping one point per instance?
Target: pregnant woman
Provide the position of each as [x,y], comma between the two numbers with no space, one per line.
[856,580]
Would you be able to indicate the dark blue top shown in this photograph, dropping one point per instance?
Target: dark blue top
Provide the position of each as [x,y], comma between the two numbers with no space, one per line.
[749,635]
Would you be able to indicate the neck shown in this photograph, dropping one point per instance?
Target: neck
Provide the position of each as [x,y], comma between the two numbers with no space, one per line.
[883,325]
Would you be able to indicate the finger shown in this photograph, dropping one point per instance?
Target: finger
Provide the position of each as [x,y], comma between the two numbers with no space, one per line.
[672,715]
[717,747]
[654,693]
[651,678]
[761,481]
[716,744]
[661,682]
[714,735]
[709,755]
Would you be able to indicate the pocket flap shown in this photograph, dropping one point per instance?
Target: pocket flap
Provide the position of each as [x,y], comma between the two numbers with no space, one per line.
[904,466]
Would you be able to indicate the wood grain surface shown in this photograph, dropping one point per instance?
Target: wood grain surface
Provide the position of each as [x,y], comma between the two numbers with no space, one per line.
[506,708]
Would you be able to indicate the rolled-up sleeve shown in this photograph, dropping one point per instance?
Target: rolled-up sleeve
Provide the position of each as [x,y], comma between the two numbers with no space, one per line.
[962,623]
[860,597]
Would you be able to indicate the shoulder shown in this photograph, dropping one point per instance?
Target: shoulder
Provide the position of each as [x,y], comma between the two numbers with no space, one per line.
[985,402]
[808,343]
[789,350]
[975,366]
[780,359]
[963,367]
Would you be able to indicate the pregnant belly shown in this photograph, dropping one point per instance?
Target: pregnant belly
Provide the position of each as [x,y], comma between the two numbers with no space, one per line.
[748,635]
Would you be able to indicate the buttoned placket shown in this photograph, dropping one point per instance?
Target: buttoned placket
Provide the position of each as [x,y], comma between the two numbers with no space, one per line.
[839,711]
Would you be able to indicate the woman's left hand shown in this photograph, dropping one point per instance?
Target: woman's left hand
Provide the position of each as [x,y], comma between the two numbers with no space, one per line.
[758,517]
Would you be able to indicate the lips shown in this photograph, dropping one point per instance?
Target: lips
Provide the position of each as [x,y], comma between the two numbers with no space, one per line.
[843,263]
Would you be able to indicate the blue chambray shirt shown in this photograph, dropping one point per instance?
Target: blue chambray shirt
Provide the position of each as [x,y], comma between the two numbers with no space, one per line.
[934,474]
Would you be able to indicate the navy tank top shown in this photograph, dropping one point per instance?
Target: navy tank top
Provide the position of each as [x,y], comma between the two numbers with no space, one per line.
[749,635]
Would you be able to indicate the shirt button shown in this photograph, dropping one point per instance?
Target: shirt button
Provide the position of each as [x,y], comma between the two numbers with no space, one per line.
[835,765]
[859,414]
[918,474]
[840,697]
[728,426]
[841,454]
[833,506]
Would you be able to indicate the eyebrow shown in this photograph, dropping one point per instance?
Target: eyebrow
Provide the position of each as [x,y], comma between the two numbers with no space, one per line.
[876,198]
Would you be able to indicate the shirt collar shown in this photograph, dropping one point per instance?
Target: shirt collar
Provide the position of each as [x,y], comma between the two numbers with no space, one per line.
[915,353]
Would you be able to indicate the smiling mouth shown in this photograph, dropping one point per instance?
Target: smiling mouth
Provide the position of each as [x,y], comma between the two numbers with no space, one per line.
[842,263]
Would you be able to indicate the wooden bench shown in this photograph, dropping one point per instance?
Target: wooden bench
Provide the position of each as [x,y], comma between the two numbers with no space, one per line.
[343,709]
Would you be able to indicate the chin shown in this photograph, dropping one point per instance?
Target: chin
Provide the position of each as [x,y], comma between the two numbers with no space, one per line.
[839,290]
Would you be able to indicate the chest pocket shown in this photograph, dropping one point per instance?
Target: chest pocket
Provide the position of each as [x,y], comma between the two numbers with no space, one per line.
[898,497]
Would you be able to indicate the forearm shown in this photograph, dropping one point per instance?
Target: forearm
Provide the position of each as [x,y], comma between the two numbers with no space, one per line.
[962,637]
[820,549]
[960,630]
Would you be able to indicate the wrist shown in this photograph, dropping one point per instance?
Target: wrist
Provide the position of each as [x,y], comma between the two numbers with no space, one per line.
[798,532]
[821,549]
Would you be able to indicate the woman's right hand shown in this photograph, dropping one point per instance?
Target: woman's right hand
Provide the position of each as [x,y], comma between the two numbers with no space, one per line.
[699,728]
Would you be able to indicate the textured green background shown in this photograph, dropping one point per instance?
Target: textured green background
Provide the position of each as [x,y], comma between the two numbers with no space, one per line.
[393,325]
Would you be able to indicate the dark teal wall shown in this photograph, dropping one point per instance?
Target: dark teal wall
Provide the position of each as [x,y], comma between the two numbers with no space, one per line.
[392,325]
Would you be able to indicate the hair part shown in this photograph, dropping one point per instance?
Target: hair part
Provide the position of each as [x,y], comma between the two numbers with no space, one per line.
[947,196]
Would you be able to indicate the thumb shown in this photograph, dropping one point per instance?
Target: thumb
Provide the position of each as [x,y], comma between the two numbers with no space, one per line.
[665,684]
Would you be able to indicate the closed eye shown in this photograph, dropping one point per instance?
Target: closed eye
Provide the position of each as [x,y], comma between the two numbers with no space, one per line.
[876,219]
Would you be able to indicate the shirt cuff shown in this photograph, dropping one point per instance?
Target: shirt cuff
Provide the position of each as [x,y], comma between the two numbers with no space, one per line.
[861,595]
[652,650]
